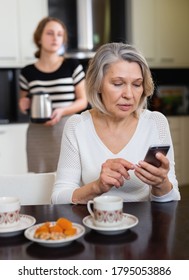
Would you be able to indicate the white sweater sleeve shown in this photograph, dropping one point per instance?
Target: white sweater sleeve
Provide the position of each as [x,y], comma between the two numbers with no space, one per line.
[165,138]
[69,165]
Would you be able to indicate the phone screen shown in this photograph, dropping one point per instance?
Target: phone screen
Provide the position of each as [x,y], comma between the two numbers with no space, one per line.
[150,155]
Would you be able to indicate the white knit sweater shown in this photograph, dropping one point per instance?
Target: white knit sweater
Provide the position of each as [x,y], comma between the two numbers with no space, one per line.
[83,152]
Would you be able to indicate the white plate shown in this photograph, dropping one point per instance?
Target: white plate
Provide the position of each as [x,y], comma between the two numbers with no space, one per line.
[129,221]
[25,222]
[29,233]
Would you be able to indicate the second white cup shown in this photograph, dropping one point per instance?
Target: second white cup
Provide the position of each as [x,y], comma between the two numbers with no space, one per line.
[107,210]
[9,212]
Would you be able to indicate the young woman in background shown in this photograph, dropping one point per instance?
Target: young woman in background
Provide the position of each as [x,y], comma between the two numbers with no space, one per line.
[64,80]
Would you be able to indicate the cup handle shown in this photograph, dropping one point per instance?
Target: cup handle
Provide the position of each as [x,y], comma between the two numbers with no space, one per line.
[89,203]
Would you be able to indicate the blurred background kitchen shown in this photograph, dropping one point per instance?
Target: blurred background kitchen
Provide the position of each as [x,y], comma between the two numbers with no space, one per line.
[159,28]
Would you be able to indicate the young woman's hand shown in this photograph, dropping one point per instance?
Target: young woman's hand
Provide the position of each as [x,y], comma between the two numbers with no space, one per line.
[56,116]
[24,104]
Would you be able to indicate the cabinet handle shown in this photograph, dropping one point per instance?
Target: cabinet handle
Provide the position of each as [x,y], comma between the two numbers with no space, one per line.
[7,58]
[150,59]
[29,58]
[167,59]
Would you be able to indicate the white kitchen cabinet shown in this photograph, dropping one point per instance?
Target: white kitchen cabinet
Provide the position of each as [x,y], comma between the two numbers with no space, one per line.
[180,136]
[18,20]
[159,28]
[172,32]
[13,149]
[9,50]
[141,27]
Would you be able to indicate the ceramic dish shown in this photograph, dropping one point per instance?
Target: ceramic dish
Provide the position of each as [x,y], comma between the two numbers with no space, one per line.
[29,233]
[26,221]
[129,221]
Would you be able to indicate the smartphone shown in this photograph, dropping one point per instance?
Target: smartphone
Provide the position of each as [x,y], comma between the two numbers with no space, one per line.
[150,155]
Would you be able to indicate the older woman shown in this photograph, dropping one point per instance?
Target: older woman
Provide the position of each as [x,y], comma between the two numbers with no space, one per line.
[103,148]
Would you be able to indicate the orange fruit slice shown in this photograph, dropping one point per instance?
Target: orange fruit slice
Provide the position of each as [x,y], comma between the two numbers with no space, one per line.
[55,228]
[70,231]
[64,223]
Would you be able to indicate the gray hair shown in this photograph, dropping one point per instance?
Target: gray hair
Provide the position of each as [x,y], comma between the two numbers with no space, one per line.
[98,65]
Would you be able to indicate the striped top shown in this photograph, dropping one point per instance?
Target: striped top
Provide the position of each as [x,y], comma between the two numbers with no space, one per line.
[60,84]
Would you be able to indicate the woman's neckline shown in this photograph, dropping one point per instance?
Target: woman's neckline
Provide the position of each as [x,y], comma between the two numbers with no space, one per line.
[54,68]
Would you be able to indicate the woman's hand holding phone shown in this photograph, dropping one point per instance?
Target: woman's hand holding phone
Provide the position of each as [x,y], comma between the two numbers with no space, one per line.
[153,170]
[151,154]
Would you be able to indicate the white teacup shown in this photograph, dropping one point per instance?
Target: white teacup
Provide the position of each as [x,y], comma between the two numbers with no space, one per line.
[107,210]
[9,211]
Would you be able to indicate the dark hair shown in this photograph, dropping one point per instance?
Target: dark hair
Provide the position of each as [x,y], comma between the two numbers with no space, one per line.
[39,30]
[104,57]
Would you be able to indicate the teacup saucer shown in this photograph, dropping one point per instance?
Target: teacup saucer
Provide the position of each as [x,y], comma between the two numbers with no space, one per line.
[25,222]
[129,221]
